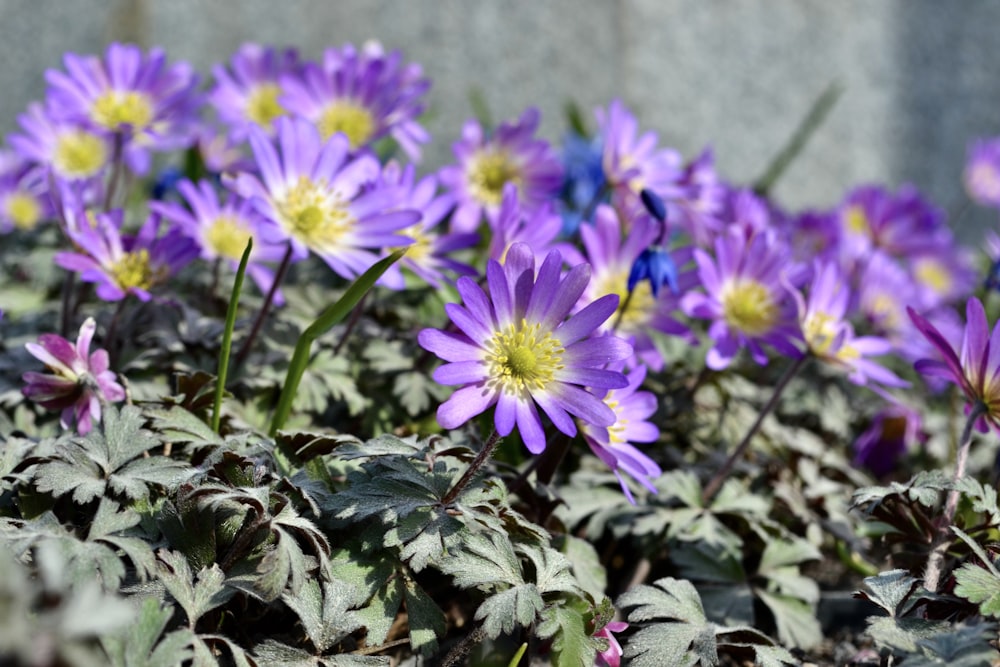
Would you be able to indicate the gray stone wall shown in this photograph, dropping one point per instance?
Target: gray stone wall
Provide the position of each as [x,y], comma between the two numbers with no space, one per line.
[919,76]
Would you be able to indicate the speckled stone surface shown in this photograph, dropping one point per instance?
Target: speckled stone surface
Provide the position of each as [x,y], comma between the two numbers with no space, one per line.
[919,76]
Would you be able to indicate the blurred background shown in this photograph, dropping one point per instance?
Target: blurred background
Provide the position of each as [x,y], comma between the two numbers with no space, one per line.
[919,77]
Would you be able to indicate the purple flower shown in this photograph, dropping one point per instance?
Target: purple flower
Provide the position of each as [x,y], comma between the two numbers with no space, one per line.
[746,297]
[699,205]
[487,162]
[24,194]
[830,337]
[122,264]
[982,172]
[319,199]
[248,93]
[611,257]
[79,381]
[539,228]
[632,162]
[428,255]
[222,230]
[612,656]
[976,368]
[613,444]
[893,431]
[901,224]
[72,151]
[943,275]
[152,105]
[364,94]
[516,349]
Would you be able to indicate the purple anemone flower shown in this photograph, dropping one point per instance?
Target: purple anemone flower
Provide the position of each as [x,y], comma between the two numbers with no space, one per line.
[975,368]
[539,228]
[317,198]
[78,382]
[364,94]
[72,151]
[248,92]
[893,431]
[25,199]
[123,264]
[489,161]
[982,172]
[830,336]
[613,444]
[516,349]
[902,224]
[746,297]
[429,255]
[222,229]
[612,257]
[153,106]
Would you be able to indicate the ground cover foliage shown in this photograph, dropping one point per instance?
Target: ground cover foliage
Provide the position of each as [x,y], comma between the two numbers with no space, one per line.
[195,470]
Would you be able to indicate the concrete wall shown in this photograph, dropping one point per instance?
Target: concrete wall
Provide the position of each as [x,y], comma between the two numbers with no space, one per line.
[919,75]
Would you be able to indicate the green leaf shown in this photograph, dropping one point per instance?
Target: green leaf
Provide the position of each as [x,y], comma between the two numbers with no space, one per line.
[588,571]
[979,586]
[484,560]
[892,590]
[138,646]
[669,645]
[426,619]
[789,551]
[796,620]
[324,610]
[502,612]
[666,599]
[196,598]
[902,634]
[959,646]
[572,645]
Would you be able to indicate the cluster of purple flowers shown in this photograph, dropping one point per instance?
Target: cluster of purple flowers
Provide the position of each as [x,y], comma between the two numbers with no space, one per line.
[591,256]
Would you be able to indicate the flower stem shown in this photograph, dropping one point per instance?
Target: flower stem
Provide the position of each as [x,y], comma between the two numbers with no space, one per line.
[719,477]
[117,162]
[935,562]
[241,356]
[477,463]
[227,337]
[621,312]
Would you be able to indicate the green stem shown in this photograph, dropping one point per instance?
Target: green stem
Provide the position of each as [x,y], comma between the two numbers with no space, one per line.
[227,337]
[117,163]
[241,356]
[716,482]
[935,562]
[817,114]
[477,463]
[327,319]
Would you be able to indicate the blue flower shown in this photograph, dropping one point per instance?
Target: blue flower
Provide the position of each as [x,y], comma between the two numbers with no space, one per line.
[583,183]
[654,264]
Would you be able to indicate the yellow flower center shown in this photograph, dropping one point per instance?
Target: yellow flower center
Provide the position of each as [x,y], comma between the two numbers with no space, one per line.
[638,309]
[115,109]
[227,237]
[23,210]
[819,332]
[422,245]
[616,432]
[856,221]
[521,359]
[933,274]
[488,172]
[747,307]
[263,106]
[886,311]
[133,270]
[310,215]
[79,154]
[353,120]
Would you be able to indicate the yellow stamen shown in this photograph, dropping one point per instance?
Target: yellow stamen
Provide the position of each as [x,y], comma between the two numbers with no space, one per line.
[352,119]
[616,432]
[134,270]
[79,154]
[115,109]
[23,210]
[521,359]
[934,274]
[488,172]
[227,237]
[314,217]
[640,307]
[857,222]
[422,246]
[748,307]
[262,105]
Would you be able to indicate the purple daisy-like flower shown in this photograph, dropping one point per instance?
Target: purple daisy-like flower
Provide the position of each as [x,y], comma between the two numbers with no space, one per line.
[222,229]
[125,264]
[516,349]
[428,255]
[632,162]
[78,382]
[746,297]
[894,430]
[320,199]
[248,92]
[830,336]
[902,224]
[153,106]
[982,172]
[72,151]
[613,444]
[698,208]
[25,200]
[975,368]
[539,228]
[488,162]
[364,94]
[611,256]
[944,275]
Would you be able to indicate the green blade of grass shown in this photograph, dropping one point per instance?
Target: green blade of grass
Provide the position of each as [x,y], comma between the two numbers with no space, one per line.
[227,337]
